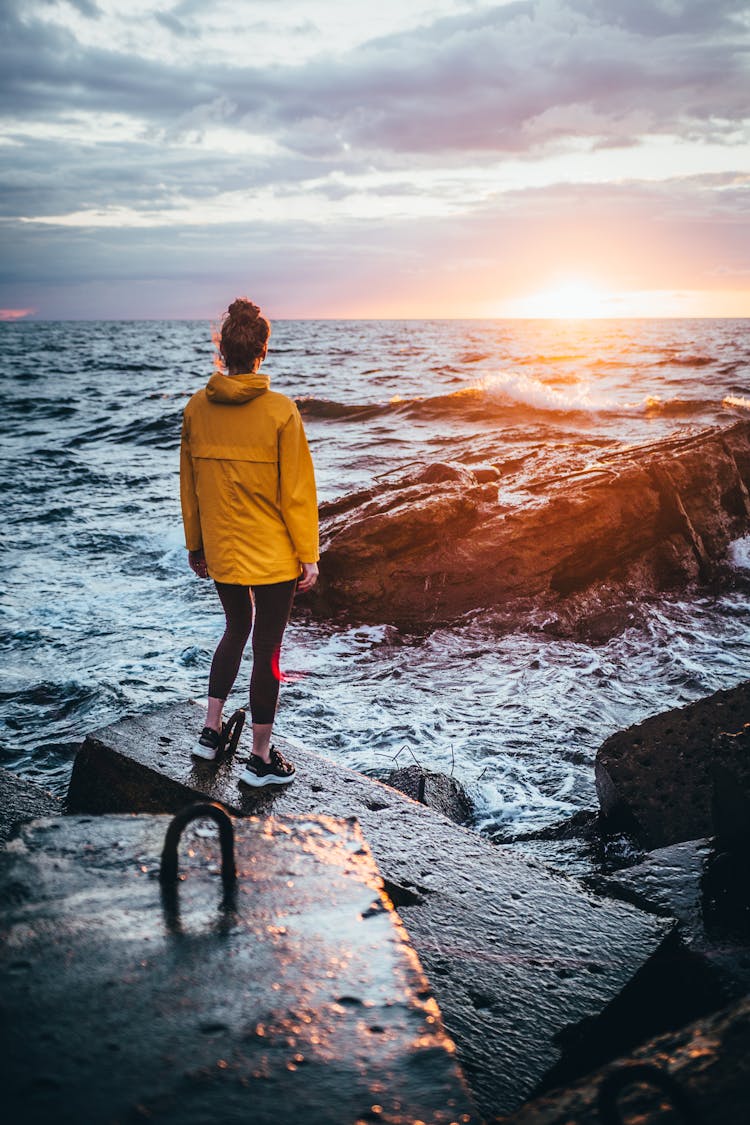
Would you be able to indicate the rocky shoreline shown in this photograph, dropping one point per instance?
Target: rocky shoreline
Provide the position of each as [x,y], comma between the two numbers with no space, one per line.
[525,995]
[579,552]
[540,980]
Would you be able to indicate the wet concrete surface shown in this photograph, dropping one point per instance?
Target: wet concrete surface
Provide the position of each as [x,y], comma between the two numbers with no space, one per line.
[522,962]
[293,995]
[699,1075]
[21,801]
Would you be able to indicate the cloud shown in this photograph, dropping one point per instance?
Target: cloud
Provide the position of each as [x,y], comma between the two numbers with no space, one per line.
[16,314]
[359,155]
[668,17]
[482,80]
[675,234]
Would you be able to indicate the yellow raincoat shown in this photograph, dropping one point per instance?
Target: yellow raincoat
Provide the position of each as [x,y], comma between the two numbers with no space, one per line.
[247,484]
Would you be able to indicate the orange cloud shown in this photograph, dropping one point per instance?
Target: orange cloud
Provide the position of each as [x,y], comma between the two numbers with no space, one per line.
[15,314]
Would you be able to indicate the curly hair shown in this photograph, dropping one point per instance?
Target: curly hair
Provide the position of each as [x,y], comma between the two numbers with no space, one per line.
[243,336]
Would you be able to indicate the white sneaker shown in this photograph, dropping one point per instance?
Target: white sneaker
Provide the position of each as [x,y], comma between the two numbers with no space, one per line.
[207,746]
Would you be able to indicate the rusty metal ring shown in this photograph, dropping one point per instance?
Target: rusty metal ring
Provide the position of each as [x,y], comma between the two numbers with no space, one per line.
[204,809]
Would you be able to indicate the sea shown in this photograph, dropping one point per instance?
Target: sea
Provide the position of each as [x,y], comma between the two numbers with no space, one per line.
[102,618]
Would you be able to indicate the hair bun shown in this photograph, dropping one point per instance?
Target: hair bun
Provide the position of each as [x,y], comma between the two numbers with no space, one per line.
[243,309]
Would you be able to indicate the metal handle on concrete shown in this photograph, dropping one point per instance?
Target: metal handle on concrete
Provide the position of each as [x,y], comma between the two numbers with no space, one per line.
[211,811]
[628,1074]
[232,729]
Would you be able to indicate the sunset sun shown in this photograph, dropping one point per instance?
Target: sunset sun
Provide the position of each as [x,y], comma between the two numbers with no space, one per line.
[568,299]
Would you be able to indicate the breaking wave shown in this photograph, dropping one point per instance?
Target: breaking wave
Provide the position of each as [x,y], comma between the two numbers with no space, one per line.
[514,394]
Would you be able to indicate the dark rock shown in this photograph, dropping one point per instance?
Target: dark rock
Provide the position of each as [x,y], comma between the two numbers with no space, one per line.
[294,996]
[583,824]
[579,845]
[730,796]
[640,521]
[440,471]
[655,780]
[685,882]
[22,800]
[515,955]
[484,473]
[436,790]
[702,1071]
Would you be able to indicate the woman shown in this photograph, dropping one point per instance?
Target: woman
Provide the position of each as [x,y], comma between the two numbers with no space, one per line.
[251,523]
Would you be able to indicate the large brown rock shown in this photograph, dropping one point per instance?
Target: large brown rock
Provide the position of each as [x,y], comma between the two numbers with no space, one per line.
[436,544]
[525,964]
[702,1072]
[666,779]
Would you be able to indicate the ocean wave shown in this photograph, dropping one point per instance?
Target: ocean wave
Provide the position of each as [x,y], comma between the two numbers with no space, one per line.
[741,401]
[685,361]
[37,408]
[512,394]
[162,432]
[672,407]
[474,357]
[118,366]
[311,407]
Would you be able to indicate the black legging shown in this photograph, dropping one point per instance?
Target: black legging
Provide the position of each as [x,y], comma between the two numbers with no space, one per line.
[273,605]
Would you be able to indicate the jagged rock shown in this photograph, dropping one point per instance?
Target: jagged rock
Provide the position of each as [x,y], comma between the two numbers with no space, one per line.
[523,963]
[436,790]
[426,549]
[291,995]
[22,800]
[707,1069]
[689,882]
[656,779]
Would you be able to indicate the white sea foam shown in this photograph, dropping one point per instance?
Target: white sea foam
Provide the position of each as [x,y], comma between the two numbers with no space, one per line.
[532,392]
[528,391]
[736,400]
[738,553]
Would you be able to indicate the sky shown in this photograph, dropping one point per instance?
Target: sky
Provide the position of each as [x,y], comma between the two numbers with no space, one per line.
[387,158]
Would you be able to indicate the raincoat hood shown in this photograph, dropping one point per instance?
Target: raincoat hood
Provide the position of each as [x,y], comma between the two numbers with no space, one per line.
[236,389]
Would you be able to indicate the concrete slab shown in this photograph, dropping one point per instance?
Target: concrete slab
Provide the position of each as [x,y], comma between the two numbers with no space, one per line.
[522,962]
[296,997]
[699,1075]
[20,801]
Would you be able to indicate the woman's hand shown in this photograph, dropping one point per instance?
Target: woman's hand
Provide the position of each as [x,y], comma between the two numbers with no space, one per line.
[308,577]
[197,561]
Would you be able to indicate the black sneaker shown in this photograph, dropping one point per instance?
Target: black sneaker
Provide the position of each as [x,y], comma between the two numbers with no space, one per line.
[208,745]
[258,772]
[212,743]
